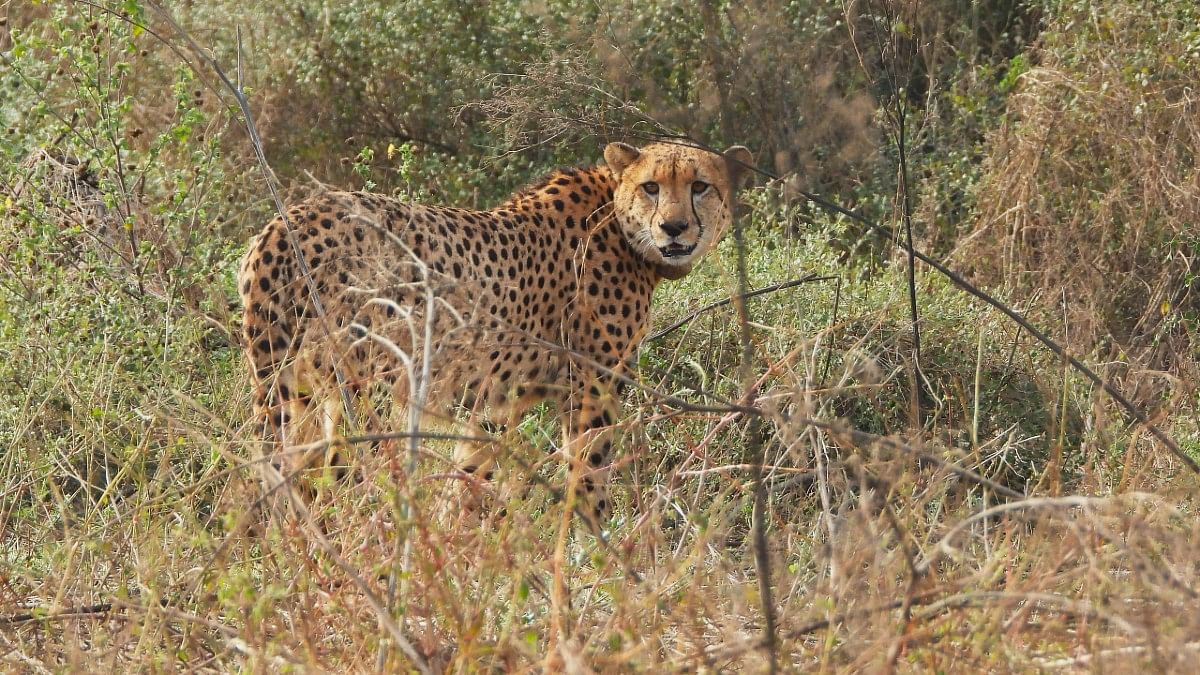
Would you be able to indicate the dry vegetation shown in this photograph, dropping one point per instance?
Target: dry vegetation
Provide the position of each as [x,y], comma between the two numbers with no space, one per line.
[1018,523]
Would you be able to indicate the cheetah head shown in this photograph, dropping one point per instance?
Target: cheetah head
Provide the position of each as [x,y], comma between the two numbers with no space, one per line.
[673,201]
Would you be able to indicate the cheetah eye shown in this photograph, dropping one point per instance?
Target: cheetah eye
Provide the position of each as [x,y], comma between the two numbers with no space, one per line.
[650,188]
[699,187]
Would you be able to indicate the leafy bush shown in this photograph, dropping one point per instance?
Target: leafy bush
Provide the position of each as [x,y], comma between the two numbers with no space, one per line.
[114,279]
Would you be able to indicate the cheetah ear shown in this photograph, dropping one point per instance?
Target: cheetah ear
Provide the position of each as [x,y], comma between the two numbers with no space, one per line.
[739,163]
[619,156]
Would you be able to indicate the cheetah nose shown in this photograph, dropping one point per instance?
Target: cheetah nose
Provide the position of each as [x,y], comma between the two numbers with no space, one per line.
[674,228]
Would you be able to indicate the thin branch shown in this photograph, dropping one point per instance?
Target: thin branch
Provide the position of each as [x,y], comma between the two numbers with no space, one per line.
[743,296]
[837,301]
[898,118]
[382,615]
[758,451]
[1049,600]
[97,610]
[1077,662]
[820,624]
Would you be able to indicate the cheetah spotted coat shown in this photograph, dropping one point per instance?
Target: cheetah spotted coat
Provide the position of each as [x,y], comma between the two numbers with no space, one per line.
[543,297]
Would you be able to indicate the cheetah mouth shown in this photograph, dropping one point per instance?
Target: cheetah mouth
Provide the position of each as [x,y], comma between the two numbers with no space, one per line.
[675,250]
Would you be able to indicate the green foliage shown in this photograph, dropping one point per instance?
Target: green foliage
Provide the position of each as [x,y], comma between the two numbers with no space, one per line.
[109,268]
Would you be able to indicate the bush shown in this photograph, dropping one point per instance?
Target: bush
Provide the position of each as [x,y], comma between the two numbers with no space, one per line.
[1090,196]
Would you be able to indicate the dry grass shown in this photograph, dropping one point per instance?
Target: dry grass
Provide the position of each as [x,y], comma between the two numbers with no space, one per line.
[1092,190]
[881,556]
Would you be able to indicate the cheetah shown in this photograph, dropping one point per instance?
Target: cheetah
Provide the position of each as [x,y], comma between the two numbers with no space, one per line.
[478,314]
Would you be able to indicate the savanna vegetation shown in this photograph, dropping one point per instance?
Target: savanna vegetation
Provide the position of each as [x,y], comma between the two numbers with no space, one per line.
[866,471]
